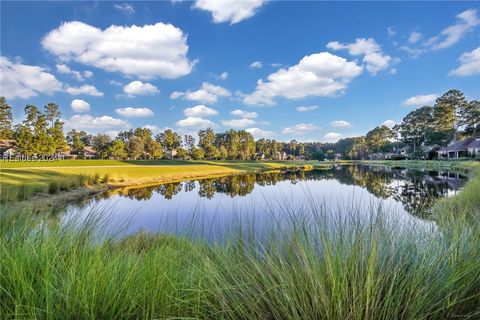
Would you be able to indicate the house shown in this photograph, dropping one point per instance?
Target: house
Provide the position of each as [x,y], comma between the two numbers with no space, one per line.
[7,147]
[430,152]
[89,152]
[457,149]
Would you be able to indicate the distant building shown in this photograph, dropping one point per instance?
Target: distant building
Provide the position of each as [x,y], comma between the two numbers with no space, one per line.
[7,147]
[89,152]
[457,149]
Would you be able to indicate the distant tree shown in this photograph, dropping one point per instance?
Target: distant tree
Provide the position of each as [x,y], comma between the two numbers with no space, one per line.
[181,153]
[223,152]
[169,139]
[77,144]
[198,153]
[101,144]
[6,120]
[24,140]
[117,149]
[447,112]
[153,149]
[470,117]
[379,139]
[319,155]
[135,147]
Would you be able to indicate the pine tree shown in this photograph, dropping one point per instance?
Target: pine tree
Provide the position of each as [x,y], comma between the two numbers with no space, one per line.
[6,120]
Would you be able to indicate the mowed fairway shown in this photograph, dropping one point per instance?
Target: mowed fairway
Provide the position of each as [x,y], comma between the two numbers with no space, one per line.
[35,177]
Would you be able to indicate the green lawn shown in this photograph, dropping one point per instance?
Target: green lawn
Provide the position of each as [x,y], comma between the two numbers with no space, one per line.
[28,178]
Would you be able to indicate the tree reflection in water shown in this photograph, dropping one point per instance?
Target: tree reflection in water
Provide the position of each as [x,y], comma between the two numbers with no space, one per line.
[417,190]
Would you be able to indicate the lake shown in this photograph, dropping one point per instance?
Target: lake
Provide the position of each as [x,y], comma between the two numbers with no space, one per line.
[255,202]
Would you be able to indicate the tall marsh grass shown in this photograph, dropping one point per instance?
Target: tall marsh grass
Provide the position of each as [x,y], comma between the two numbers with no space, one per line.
[305,270]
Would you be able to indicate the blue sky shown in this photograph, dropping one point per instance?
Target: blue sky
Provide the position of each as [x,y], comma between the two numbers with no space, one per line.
[304,70]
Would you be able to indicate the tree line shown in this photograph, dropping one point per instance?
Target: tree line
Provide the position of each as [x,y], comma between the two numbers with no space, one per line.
[452,117]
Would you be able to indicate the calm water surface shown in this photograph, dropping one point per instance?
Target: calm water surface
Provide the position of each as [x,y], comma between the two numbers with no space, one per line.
[210,207]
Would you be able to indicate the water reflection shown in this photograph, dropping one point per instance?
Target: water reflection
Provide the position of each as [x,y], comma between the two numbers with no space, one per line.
[416,190]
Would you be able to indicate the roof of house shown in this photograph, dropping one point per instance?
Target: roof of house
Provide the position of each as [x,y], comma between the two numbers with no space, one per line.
[89,150]
[6,143]
[462,145]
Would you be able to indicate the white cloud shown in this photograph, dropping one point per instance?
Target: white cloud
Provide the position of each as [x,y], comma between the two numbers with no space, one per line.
[64,69]
[83,122]
[243,114]
[389,123]
[232,11]
[340,124]
[200,111]
[223,75]
[320,74]
[306,108]
[258,133]
[195,122]
[134,112]
[256,65]
[139,88]
[154,128]
[24,81]
[414,37]
[421,100]
[373,57]
[208,93]
[126,8]
[85,89]
[238,123]
[79,105]
[470,64]
[413,52]
[300,129]
[148,51]
[391,31]
[467,21]
[332,137]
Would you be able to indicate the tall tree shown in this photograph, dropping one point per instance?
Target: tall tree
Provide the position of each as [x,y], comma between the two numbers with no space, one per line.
[447,112]
[101,144]
[169,140]
[135,147]
[6,120]
[470,116]
[117,149]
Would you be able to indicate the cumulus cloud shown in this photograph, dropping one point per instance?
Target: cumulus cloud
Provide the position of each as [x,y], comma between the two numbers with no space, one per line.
[373,57]
[469,64]
[414,37]
[139,88]
[421,100]
[256,64]
[306,108]
[200,111]
[243,114]
[126,8]
[85,89]
[332,137]
[25,81]
[340,124]
[320,74]
[232,11]
[238,123]
[154,128]
[163,48]
[467,21]
[195,122]
[82,122]
[208,93]
[79,105]
[300,129]
[131,112]
[258,133]
[389,123]
[80,76]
